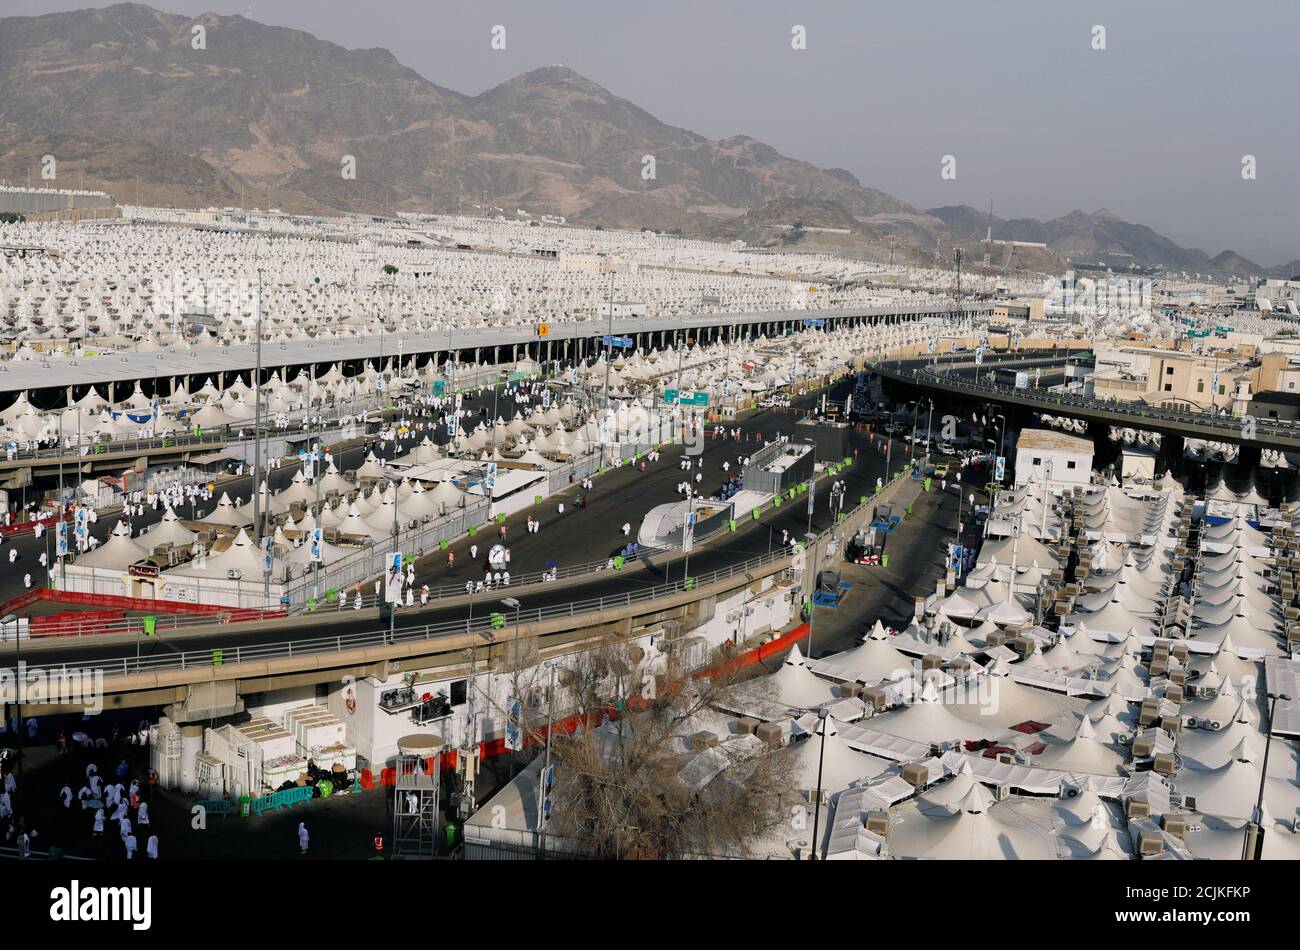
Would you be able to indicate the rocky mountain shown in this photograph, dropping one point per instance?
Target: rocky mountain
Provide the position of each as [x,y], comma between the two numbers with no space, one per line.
[125,101]
[280,109]
[1100,236]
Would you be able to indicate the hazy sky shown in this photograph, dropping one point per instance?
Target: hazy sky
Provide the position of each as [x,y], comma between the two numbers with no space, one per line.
[1154,127]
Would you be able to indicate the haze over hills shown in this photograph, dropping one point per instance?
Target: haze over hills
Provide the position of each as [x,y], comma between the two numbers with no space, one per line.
[120,96]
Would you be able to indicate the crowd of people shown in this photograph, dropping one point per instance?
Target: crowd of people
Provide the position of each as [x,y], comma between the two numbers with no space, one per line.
[101,807]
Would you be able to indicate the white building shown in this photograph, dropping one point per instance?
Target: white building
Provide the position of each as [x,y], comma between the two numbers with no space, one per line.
[1053,457]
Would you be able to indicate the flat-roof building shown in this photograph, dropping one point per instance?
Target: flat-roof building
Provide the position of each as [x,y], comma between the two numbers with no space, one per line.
[1053,457]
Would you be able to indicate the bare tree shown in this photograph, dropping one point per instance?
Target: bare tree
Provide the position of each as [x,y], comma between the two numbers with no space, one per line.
[628,783]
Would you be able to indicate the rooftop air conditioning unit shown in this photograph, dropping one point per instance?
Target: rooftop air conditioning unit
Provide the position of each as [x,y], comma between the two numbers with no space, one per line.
[1002,793]
[234,574]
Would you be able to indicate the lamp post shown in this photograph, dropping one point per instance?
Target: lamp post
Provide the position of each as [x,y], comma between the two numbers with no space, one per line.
[812,483]
[972,504]
[688,535]
[543,812]
[512,603]
[1258,817]
[929,427]
[822,714]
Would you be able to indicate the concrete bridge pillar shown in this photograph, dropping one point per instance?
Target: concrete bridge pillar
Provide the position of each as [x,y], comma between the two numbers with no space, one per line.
[191,746]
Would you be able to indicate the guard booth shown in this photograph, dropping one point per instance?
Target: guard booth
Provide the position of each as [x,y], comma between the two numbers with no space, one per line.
[416,815]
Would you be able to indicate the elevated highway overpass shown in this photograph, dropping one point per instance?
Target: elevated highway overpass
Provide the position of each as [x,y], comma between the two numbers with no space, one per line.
[958,375]
[48,381]
[327,644]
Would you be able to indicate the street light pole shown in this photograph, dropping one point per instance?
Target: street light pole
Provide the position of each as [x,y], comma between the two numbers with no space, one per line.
[929,428]
[817,804]
[1258,816]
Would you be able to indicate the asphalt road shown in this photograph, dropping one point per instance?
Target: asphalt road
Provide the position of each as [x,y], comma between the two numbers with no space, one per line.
[579,536]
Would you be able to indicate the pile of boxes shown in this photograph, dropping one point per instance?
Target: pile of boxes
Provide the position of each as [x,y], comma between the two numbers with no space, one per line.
[321,737]
[280,759]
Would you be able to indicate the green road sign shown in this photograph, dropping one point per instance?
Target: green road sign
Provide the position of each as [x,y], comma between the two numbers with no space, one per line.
[688,397]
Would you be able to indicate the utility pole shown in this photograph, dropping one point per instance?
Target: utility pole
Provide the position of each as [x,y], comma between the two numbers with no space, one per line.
[609,349]
[542,816]
[257,420]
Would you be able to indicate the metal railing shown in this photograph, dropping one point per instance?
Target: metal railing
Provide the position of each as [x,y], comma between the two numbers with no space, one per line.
[1050,399]
[370,561]
[212,658]
[202,659]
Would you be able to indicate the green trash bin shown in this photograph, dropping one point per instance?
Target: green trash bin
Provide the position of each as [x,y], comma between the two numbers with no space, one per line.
[450,831]
[884,560]
[245,806]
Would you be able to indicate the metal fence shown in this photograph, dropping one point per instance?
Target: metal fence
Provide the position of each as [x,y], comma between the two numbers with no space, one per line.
[370,561]
[482,623]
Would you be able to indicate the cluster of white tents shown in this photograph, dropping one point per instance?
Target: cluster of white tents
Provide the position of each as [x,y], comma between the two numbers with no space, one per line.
[139,280]
[1135,730]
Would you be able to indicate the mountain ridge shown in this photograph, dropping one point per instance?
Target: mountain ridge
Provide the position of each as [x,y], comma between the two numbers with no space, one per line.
[273,111]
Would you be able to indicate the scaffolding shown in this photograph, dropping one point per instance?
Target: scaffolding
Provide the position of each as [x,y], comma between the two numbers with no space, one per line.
[415,809]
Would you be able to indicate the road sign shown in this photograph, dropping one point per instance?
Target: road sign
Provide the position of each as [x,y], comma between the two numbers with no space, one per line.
[811,322]
[439,387]
[514,734]
[317,542]
[393,580]
[624,342]
[1000,468]
[688,397]
[546,789]
[543,329]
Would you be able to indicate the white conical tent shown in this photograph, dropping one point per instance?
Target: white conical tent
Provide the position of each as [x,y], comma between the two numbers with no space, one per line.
[872,661]
[422,454]
[241,556]
[973,829]
[225,514]
[267,505]
[928,719]
[795,686]
[370,468]
[168,530]
[212,416]
[1083,753]
[950,793]
[1228,792]
[356,526]
[446,495]
[332,481]
[1205,750]
[300,492]
[116,554]
[838,765]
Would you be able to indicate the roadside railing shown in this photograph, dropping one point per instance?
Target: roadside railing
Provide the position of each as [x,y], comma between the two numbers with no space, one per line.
[485,623]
